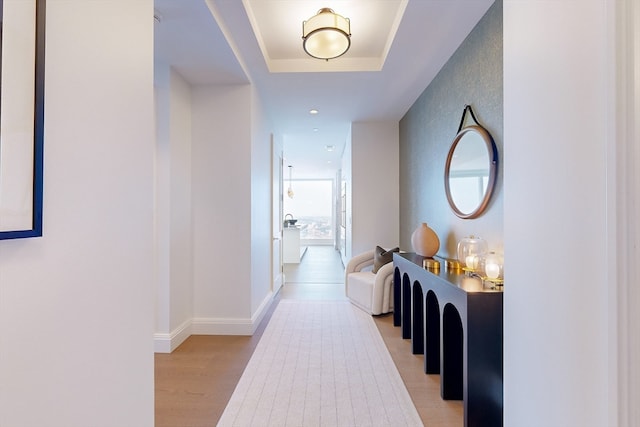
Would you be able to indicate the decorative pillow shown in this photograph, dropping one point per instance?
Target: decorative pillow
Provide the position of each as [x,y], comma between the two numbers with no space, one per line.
[382,256]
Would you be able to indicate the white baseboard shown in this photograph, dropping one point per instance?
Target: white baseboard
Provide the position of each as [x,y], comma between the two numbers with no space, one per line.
[221,326]
[278,282]
[166,343]
[262,310]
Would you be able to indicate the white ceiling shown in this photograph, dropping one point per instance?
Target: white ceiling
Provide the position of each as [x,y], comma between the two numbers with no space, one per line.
[260,41]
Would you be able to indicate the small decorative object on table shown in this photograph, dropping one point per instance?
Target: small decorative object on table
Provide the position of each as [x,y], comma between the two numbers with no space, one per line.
[493,269]
[452,265]
[471,251]
[425,241]
[431,264]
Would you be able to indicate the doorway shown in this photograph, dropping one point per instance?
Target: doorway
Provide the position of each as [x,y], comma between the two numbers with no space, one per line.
[313,206]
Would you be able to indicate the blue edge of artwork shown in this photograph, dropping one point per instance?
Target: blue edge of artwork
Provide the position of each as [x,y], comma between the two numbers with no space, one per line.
[38,140]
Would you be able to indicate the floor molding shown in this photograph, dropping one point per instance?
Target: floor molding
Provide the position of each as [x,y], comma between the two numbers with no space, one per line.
[232,326]
[167,342]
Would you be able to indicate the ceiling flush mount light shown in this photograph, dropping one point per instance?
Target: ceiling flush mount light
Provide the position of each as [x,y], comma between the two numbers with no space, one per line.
[326,35]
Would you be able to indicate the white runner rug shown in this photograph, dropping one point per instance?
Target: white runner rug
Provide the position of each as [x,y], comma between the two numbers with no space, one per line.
[320,363]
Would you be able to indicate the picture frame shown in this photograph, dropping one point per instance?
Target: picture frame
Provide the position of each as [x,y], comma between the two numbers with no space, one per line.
[22,55]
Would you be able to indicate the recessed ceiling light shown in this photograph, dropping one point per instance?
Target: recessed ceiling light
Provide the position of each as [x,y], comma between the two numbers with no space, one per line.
[315,129]
[313,111]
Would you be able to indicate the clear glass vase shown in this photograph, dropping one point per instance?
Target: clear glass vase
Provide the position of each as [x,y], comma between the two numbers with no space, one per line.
[471,251]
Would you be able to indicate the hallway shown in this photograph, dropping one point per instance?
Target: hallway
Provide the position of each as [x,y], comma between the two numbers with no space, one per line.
[194,383]
[320,275]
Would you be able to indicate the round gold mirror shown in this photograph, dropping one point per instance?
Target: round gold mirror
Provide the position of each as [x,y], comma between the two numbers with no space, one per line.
[470,171]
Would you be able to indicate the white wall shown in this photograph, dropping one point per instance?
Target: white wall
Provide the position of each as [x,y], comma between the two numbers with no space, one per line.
[261,211]
[213,210]
[181,267]
[221,161]
[174,306]
[231,181]
[558,280]
[162,98]
[626,183]
[277,166]
[76,305]
[346,168]
[374,183]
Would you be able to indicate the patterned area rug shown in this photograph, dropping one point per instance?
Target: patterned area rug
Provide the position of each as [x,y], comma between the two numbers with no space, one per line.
[320,363]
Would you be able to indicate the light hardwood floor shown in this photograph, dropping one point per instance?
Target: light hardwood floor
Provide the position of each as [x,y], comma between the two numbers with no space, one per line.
[194,383]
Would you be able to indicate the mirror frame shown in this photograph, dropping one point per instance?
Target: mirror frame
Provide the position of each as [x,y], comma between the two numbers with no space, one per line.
[493,170]
[37,132]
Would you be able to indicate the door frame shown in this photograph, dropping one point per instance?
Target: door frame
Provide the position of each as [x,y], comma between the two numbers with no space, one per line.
[277,165]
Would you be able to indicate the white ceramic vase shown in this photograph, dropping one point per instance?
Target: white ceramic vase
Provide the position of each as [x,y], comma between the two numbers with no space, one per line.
[425,241]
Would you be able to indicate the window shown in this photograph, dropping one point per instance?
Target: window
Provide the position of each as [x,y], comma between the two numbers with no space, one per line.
[312,206]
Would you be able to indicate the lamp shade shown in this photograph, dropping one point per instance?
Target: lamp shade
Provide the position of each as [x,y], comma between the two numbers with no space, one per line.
[326,35]
[494,267]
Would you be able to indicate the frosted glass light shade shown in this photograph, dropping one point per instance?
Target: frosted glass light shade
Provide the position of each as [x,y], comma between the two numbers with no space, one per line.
[494,267]
[326,35]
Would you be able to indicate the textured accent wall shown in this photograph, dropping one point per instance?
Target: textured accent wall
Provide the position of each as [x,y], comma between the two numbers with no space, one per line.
[473,75]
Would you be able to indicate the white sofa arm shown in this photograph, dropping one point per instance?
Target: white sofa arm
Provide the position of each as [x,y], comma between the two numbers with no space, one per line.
[382,298]
[358,262]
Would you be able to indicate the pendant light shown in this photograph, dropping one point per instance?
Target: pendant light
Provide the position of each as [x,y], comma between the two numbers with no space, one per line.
[290,190]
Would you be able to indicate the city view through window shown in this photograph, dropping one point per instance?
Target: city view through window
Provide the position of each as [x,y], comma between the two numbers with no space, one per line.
[312,206]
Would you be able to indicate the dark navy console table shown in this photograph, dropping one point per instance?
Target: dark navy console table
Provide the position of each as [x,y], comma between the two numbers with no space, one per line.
[457,324]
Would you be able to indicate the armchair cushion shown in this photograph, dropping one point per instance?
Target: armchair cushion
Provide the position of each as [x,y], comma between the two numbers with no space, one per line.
[381,256]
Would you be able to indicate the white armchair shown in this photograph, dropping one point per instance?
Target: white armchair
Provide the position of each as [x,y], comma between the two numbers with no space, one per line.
[372,292]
